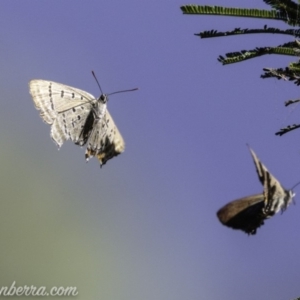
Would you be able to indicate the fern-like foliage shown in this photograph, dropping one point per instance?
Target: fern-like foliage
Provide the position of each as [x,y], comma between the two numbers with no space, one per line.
[234,57]
[287,11]
[289,102]
[287,129]
[295,66]
[285,74]
[239,31]
[288,7]
[233,12]
[284,10]
[290,48]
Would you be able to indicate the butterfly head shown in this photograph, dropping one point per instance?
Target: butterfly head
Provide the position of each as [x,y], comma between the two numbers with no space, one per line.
[103,98]
[292,195]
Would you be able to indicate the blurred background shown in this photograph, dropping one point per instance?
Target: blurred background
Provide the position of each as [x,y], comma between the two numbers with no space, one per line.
[144,226]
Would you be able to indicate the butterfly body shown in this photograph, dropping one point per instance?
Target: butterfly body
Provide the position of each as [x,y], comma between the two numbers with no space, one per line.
[249,213]
[77,116]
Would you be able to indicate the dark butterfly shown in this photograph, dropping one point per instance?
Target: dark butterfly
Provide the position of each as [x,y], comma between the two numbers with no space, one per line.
[249,213]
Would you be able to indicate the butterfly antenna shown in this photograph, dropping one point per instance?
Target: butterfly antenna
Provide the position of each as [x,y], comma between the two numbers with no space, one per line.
[122,91]
[295,185]
[97,82]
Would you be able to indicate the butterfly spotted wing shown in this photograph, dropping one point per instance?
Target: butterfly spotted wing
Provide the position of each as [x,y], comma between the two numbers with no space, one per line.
[77,116]
[249,213]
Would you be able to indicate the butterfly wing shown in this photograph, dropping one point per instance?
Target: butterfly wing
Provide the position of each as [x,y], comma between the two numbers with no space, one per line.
[65,108]
[105,140]
[245,214]
[276,198]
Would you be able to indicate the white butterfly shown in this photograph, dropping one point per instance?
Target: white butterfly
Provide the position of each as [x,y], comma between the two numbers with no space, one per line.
[249,213]
[78,116]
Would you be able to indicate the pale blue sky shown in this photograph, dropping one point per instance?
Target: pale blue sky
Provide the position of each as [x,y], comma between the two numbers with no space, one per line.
[144,226]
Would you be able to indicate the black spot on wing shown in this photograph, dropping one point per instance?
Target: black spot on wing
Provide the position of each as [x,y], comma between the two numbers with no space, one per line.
[87,128]
[109,151]
[50,96]
[51,103]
